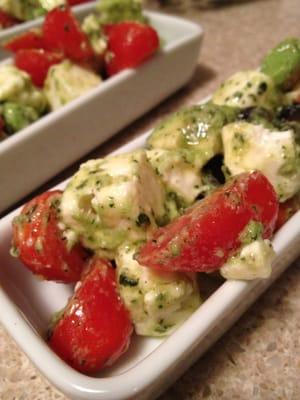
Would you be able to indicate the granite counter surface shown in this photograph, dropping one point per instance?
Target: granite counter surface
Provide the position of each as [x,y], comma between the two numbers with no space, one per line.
[259,358]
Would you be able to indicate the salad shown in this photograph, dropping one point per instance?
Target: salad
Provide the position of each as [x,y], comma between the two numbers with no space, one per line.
[63,60]
[13,12]
[136,231]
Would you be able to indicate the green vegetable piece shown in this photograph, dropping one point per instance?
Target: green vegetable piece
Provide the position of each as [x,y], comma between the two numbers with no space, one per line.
[127,281]
[91,25]
[258,116]
[253,231]
[194,128]
[17,116]
[23,10]
[114,11]
[282,63]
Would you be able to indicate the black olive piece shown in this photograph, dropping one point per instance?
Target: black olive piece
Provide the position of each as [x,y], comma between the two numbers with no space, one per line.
[290,113]
[245,114]
[214,168]
[252,113]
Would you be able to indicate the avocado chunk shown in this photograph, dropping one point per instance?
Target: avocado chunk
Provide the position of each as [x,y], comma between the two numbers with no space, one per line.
[282,63]
[196,128]
[18,116]
[114,11]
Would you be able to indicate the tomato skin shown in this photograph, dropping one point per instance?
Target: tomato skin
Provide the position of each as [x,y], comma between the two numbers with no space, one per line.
[203,238]
[95,327]
[75,2]
[27,40]
[287,210]
[36,62]
[62,32]
[39,242]
[129,44]
[2,123]
[7,20]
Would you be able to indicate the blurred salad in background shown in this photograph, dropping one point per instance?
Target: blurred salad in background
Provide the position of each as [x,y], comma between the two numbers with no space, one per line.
[66,57]
[13,12]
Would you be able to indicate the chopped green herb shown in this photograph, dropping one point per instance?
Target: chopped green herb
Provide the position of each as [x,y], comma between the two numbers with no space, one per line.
[124,280]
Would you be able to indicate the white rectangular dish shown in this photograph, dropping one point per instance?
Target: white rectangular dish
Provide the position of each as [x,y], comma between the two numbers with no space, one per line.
[61,137]
[150,365]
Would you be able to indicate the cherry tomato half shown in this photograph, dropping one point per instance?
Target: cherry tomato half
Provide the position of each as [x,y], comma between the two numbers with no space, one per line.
[27,40]
[95,327]
[39,244]
[129,44]
[36,62]
[203,238]
[7,20]
[75,2]
[62,32]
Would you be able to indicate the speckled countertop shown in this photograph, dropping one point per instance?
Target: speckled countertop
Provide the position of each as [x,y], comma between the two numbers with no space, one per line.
[259,358]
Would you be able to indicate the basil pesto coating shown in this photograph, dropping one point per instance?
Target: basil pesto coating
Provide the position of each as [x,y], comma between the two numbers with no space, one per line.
[248,89]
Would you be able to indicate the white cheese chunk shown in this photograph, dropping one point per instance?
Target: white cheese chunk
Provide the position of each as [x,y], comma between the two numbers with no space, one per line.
[179,171]
[67,81]
[50,4]
[254,261]
[113,199]
[158,302]
[16,86]
[274,153]
[248,89]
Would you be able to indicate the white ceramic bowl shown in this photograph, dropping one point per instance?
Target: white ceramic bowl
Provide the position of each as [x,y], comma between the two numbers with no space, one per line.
[150,365]
[61,137]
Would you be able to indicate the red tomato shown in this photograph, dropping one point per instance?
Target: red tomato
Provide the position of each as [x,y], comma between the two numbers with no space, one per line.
[287,210]
[62,32]
[129,44]
[6,20]
[28,40]
[95,328]
[37,63]
[75,2]
[203,238]
[2,123]
[2,131]
[40,245]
